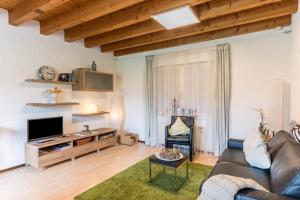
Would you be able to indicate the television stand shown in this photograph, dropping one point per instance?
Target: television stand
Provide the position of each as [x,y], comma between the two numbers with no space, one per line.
[45,153]
[43,141]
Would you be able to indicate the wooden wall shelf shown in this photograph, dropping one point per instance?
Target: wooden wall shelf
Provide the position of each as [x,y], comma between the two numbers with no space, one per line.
[52,104]
[90,114]
[52,82]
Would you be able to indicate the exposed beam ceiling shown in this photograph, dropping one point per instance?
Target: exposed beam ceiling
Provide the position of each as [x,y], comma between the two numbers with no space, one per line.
[135,30]
[126,17]
[237,30]
[9,4]
[126,27]
[222,7]
[244,17]
[151,26]
[30,9]
[83,12]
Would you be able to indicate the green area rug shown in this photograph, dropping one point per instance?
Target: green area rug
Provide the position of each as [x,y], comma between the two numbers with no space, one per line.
[133,184]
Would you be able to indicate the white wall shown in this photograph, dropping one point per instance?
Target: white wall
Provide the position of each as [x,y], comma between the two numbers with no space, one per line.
[22,51]
[256,60]
[295,40]
[133,76]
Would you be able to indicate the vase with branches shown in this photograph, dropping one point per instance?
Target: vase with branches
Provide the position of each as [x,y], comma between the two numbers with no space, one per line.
[263,127]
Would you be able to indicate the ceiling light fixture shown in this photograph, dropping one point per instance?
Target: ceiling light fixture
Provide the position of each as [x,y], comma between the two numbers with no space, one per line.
[178,17]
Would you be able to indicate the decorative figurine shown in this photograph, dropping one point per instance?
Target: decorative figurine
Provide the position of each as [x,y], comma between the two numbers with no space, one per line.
[94,66]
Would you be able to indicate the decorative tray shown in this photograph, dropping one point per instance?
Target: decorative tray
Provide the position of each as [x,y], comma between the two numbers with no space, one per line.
[169,155]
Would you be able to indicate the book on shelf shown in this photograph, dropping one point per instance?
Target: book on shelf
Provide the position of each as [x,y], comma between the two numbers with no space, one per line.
[62,147]
[106,136]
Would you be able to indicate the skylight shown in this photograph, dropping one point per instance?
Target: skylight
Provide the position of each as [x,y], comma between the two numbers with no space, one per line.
[177,17]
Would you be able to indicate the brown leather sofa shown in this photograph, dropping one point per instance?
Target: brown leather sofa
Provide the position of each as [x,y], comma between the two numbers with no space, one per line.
[282,179]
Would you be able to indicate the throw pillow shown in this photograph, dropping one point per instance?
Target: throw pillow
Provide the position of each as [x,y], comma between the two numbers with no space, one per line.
[256,152]
[179,128]
[295,131]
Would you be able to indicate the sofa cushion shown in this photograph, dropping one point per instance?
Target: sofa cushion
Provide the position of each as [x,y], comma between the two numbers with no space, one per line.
[260,176]
[295,131]
[277,141]
[179,138]
[285,170]
[179,128]
[232,155]
[256,151]
[250,194]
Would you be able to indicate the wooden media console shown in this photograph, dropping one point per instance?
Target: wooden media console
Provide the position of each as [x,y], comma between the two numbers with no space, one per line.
[69,147]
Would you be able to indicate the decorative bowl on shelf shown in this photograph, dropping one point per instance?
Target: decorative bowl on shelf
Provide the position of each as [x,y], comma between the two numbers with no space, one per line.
[169,155]
[65,77]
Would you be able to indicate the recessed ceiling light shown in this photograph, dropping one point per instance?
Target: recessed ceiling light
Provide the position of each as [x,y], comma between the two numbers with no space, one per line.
[177,17]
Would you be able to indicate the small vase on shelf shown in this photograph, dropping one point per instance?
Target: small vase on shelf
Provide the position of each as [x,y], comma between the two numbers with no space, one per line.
[52,94]
[51,98]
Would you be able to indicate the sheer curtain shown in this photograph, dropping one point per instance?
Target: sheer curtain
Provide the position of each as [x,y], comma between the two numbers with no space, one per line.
[151,108]
[189,77]
[222,97]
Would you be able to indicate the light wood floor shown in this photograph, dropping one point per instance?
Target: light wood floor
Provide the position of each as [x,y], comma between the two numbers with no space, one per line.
[66,180]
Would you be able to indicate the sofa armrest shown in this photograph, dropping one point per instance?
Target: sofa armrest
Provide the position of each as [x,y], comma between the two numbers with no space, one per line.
[250,194]
[235,143]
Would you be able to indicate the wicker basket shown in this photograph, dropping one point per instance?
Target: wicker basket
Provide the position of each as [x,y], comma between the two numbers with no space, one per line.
[82,141]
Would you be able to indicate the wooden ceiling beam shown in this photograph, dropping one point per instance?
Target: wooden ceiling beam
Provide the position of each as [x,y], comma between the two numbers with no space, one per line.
[244,17]
[229,32]
[135,30]
[83,12]
[30,9]
[222,7]
[126,17]
[209,9]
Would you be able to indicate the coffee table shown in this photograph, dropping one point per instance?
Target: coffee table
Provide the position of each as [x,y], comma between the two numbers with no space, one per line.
[171,164]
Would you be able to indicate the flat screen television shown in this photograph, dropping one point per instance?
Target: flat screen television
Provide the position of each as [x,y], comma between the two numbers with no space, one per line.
[40,129]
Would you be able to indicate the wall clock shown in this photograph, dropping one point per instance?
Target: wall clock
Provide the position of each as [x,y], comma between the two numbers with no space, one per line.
[47,73]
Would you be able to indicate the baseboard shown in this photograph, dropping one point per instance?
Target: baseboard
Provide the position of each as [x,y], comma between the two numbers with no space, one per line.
[12,168]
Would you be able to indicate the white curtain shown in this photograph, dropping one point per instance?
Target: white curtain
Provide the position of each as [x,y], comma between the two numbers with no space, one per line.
[189,77]
[222,97]
[151,109]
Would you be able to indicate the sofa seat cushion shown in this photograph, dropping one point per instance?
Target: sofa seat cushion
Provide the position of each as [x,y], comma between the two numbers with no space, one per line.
[285,170]
[260,176]
[250,194]
[232,155]
[180,138]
